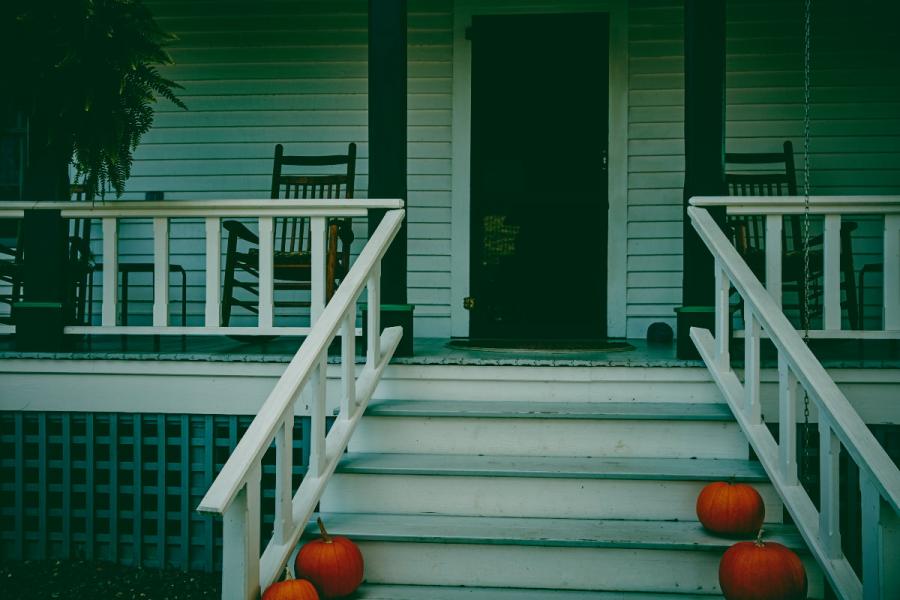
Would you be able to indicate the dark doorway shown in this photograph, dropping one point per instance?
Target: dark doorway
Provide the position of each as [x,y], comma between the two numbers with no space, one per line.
[539,180]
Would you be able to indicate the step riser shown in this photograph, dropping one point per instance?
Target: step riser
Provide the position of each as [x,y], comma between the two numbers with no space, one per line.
[523,497]
[549,567]
[550,437]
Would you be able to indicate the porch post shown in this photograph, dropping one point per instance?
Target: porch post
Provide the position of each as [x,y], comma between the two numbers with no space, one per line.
[704,153]
[39,317]
[387,147]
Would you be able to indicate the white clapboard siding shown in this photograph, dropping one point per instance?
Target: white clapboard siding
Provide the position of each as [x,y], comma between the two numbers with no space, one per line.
[855,145]
[292,73]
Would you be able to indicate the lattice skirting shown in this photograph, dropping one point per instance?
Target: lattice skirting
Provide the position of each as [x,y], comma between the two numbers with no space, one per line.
[121,487]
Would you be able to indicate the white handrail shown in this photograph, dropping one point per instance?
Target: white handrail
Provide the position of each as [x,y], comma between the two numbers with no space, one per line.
[795,205]
[235,492]
[839,425]
[212,211]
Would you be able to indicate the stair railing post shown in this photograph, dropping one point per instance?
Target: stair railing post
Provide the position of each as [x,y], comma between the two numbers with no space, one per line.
[787,421]
[240,542]
[213,271]
[316,385]
[266,272]
[751,367]
[891,316]
[348,365]
[832,276]
[774,224]
[829,503]
[373,327]
[284,486]
[723,287]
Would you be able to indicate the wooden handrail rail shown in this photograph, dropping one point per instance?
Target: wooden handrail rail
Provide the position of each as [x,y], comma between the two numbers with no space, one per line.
[793,205]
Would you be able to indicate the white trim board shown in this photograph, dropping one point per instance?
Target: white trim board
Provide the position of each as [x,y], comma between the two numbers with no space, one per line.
[617,190]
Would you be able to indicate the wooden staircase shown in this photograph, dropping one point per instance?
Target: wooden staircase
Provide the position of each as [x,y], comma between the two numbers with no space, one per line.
[500,499]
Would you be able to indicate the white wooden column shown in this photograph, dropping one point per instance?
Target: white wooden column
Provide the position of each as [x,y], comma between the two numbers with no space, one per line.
[266,272]
[787,421]
[160,272]
[318,257]
[774,225]
[832,266]
[316,386]
[213,267]
[892,272]
[240,542]
[110,272]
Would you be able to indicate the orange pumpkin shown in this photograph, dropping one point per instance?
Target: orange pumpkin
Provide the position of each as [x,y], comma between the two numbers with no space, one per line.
[333,563]
[730,508]
[761,571]
[291,589]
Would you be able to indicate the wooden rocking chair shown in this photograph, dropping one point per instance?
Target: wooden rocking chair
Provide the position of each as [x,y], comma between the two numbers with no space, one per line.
[292,264]
[748,232]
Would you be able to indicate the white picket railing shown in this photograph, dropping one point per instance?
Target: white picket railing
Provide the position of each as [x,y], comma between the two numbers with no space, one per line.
[235,493]
[831,208]
[212,211]
[839,426]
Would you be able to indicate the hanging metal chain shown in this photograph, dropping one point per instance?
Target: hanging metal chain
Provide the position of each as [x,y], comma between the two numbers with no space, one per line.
[807,45]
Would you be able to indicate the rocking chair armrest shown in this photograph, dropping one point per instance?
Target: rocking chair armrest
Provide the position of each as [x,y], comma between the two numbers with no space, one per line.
[238,229]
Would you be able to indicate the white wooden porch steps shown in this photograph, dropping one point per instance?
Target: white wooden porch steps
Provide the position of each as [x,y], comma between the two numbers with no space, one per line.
[518,499]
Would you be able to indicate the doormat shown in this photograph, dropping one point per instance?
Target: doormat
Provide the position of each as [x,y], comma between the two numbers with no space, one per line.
[541,345]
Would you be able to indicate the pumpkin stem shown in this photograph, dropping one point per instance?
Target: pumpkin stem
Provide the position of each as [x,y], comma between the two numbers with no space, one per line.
[759,541]
[325,537]
[287,573]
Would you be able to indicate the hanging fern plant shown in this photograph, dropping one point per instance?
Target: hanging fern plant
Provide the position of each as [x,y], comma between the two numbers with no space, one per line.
[85,72]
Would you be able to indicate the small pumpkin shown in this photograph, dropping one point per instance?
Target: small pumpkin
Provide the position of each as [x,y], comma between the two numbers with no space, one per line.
[761,571]
[291,589]
[731,508]
[333,564]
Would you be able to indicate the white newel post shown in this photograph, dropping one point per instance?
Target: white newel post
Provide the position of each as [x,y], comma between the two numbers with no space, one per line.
[373,327]
[284,488]
[213,267]
[110,271]
[266,271]
[751,367]
[348,365]
[892,272]
[829,503]
[774,225]
[318,251]
[240,541]
[832,276]
[880,542]
[316,397]
[160,272]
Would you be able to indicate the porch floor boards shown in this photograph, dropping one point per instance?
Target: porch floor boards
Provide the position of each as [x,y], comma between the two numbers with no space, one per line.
[430,351]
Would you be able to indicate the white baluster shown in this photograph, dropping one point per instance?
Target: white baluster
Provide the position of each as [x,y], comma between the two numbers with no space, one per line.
[787,421]
[266,271]
[240,542]
[829,471]
[110,271]
[213,267]
[348,365]
[892,272]
[751,367]
[284,487]
[160,272]
[373,327]
[774,225]
[832,265]
[318,253]
[723,314]
[317,383]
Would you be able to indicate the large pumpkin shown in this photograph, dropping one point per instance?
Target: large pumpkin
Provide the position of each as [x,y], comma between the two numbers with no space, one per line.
[291,589]
[730,508]
[761,571]
[333,563]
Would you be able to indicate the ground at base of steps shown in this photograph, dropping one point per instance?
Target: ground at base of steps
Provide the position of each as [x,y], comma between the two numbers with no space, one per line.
[76,580]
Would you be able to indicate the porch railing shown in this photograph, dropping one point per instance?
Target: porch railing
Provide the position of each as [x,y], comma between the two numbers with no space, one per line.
[235,493]
[212,211]
[840,427]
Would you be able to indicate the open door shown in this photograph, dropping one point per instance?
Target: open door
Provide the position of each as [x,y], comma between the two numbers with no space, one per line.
[539,178]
